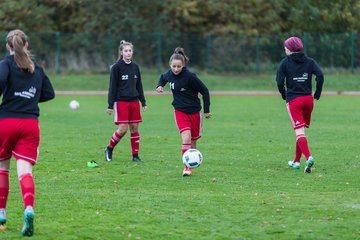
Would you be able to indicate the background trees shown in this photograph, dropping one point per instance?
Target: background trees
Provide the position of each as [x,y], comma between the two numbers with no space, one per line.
[230,16]
[83,35]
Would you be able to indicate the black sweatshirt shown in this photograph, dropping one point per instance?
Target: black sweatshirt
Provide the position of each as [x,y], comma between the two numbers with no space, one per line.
[21,90]
[298,70]
[125,84]
[185,88]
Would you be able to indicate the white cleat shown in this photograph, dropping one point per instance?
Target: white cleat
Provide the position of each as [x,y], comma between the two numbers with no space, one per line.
[294,165]
[187,171]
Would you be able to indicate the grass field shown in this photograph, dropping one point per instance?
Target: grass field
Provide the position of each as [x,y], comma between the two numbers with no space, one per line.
[333,82]
[243,190]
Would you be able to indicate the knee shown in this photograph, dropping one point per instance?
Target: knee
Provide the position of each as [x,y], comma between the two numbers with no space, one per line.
[134,128]
[122,130]
[186,138]
[5,165]
[23,167]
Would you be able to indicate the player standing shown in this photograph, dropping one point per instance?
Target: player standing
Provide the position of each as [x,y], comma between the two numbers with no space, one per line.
[23,85]
[185,87]
[294,81]
[125,91]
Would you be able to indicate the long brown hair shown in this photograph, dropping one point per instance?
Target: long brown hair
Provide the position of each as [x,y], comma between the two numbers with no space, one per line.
[17,41]
[179,54]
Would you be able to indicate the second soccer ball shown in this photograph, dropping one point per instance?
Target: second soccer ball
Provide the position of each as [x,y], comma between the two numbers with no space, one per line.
[74,104]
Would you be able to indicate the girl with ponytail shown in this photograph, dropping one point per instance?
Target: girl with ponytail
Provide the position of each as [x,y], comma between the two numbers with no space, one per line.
[23,84]
[185,87]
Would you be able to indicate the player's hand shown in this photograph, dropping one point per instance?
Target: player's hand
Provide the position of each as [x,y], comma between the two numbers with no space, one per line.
[207,115]
[109,111]
[160,89]
[144,108]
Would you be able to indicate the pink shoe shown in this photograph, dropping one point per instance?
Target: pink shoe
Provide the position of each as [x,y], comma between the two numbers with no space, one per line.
[187,171]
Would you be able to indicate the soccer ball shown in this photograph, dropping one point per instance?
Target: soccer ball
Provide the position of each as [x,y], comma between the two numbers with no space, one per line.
[192,158]
[74,104]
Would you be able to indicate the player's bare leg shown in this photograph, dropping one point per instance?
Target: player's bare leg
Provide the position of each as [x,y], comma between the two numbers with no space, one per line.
[24,170]
[115,138]
[135,141]
[4,190]
[186,144]
[303,144]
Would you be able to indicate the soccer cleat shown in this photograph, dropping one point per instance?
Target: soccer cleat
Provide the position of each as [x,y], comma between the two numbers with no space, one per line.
[108,154]
[187,171]
[137,159]
[92,164]
[294,165]
[2,216]
[309,163]
[28,228]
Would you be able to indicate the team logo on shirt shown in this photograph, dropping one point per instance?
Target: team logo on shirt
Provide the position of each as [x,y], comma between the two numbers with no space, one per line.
[303,78]
[135,76]
[182,89]
[26,94]
[124,77]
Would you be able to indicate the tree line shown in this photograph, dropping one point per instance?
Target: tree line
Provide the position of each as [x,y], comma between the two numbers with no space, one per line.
[248,17]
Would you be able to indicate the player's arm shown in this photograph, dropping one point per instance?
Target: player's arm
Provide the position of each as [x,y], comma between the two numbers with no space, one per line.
[140,90]
[161,83]
[280,81]
[47,90]
[319,80]
[112,87]
[4,73]
[204,91]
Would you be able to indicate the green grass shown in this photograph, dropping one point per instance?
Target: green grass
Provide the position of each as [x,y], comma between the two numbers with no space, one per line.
[333,82]
[243,190]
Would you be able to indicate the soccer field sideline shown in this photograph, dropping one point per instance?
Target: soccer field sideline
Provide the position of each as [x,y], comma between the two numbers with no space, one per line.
[214,93]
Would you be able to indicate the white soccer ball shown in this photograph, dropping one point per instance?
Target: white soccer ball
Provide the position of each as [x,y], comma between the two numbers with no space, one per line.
[74,104]
[192,158]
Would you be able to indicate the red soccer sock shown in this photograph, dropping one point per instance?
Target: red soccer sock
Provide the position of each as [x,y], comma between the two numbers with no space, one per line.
[303,145]
[4,187]
[115,138]
[27,189]
[185,147]
[297,153]
[135,143]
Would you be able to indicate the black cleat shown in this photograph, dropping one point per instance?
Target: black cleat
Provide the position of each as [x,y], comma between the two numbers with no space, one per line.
[108,154]
[137,159]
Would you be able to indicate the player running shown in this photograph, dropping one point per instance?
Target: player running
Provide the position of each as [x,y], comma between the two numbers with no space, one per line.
[293,79]
[185,87]
[125,91]
[23,85]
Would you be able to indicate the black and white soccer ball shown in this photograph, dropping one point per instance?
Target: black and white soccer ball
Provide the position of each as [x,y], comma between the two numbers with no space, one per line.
[192,158]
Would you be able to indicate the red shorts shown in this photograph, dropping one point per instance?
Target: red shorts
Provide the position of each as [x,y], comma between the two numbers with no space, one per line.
[19,138]
[192,122]
[299,110]
[127,112]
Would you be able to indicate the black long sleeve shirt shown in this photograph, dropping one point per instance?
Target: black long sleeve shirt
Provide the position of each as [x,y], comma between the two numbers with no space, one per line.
[125,84]
[298,69]
[21,90]
[185,88]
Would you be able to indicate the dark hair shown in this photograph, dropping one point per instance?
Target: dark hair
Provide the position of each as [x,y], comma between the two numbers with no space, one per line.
[179,54]
[16,40]
[124,43]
